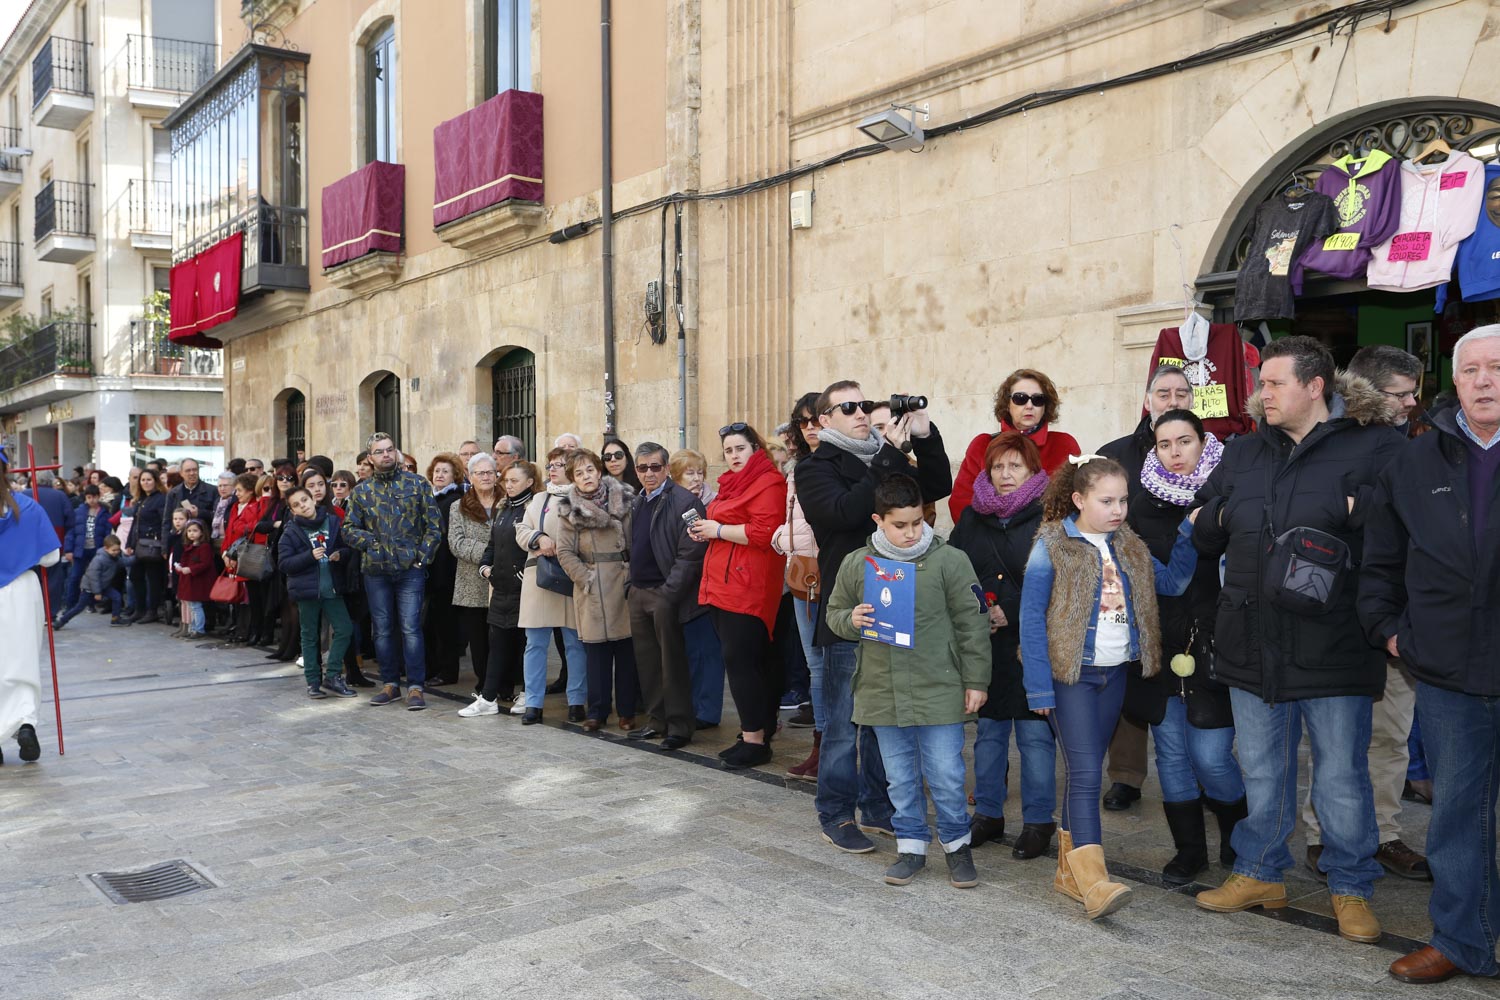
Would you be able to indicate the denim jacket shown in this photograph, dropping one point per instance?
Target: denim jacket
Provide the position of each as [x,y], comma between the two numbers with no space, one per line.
[1036,598]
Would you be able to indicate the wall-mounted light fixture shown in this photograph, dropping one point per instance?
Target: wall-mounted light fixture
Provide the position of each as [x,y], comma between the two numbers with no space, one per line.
[896,131]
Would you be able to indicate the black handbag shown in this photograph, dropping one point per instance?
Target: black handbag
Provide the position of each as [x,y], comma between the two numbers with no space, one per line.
[550,576]
[149,549]
[1206,700]
[254,562]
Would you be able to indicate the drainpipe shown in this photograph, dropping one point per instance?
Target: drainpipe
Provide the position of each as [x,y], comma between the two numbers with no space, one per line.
[681,340]
[607,211]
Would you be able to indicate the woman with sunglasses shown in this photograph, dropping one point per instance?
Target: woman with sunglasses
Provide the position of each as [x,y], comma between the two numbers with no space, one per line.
[617,463]
[1027,401]
[742,582]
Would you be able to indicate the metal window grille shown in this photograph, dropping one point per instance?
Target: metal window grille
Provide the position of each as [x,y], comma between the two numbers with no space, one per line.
[388,407]
[296,424]
[63,207]
[514,401]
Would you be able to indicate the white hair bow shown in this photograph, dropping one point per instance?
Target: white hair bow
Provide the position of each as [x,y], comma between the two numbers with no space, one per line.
[1085,459]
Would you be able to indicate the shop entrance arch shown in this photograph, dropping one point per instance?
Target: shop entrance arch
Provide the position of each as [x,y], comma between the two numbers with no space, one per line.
[1347,315]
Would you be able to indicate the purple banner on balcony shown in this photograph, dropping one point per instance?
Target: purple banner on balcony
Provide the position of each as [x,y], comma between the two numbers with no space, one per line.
[363,212]
[487,155]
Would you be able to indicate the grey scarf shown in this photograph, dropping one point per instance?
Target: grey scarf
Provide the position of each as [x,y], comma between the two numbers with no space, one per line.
[864,450]
[883,545]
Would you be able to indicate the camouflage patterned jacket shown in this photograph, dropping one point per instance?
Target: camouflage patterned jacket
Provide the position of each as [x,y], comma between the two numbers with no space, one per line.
[394,522]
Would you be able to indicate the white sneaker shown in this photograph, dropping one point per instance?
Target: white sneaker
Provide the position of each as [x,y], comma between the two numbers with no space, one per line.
[519,708]
[300,663]
[477,708]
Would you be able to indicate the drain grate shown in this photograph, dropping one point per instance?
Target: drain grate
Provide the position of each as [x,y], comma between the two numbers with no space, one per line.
[163,881]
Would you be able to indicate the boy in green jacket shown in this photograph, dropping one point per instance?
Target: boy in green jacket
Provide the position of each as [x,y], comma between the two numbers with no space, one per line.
[918,696]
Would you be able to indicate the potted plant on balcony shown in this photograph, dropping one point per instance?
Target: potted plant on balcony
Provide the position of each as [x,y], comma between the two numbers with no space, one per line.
[156,318]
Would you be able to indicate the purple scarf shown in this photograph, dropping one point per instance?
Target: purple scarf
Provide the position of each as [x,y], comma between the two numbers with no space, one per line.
[988,501]
[1181,489]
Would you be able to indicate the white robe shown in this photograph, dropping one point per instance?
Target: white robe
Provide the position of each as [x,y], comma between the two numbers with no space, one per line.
[23,624]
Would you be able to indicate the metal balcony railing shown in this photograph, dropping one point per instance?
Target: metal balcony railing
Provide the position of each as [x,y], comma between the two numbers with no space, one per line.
[150,206]
[63,207]
[10,137]
[62,65]
[153,353]
[169,64]
[55,349]
[10,263]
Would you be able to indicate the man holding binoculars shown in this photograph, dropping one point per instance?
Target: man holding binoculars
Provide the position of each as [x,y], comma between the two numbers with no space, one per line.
[836,487]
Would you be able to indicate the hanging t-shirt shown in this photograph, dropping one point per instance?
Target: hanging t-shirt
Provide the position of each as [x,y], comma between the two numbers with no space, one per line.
[1479,255]
[1112,631]
[1220,380]
[1283,230]
[1440,205]
[1366,191]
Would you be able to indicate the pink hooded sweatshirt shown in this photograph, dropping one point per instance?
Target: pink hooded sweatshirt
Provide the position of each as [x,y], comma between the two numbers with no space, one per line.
[1439,210]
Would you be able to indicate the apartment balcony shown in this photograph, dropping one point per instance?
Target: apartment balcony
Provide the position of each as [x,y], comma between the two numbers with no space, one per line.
[488,161]
[11,289]
[164,71]
[61,96]
[153,353]
[64,228]
[363,226]
[10,164]
[150,204]
[52,363]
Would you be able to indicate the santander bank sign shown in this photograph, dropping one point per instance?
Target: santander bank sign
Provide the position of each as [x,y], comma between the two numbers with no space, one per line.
[156,430]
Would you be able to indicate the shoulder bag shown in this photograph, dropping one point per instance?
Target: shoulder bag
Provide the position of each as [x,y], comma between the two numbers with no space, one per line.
[254,562]
[1306,568]
[549,572]
[802,576]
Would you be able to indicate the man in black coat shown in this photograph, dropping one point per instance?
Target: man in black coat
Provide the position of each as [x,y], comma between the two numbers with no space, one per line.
[1430,594]
[1167,389]
[666,566]
[192,495]
[836,487]
[1312,463]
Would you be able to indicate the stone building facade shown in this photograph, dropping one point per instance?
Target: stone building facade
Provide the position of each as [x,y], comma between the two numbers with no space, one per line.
[1059,234]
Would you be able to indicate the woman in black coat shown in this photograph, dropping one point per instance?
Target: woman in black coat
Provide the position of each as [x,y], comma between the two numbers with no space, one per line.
[1191,722]
[503,564]
[996,532]
[148,571]
[440,627]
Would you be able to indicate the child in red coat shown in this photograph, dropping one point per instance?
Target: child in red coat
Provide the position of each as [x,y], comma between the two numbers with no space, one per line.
[195,576]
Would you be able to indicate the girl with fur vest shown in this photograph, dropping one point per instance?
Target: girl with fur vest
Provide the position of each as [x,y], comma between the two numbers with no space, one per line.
[593,548]
[1088,618]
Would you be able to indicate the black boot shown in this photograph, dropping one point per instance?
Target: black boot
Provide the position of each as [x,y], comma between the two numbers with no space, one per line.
[1229,815]
[1185,819]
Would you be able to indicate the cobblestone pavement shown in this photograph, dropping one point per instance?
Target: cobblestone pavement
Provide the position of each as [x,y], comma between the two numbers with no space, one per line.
[373,852]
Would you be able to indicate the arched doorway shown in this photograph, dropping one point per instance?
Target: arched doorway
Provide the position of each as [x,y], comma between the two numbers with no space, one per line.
[1347,315]
[296,425]
[513,381]
[388,407]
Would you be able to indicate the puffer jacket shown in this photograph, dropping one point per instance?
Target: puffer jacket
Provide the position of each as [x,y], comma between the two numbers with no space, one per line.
[795,536]
[506,560]
[394,522]
[594,550]
[1273,654]
[747,579]
[542,608]
[925,684]
[295,554]
[467,540]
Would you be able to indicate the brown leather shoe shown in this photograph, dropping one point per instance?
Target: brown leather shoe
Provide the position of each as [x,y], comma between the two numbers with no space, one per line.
[1425,965]
[591,725]
[1398,859]
[627,723]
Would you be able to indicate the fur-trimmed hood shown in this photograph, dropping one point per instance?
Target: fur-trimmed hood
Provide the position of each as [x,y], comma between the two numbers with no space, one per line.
[1354,398]
[588,514]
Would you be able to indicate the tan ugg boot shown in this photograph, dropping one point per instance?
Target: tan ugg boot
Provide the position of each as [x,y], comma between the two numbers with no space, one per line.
[1101,897]
[1241,892]
[1063,881]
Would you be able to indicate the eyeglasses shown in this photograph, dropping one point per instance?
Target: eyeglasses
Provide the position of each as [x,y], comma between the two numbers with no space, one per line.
[482,472]
[847,409]
[557,465]
[1034,398]
[341,486]
[649,467]
[614,456]
[1402,396]
[498,453]
[738,427]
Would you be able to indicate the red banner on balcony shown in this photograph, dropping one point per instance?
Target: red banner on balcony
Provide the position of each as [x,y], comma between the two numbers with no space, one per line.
[487,155]
[206,292]
[363,212]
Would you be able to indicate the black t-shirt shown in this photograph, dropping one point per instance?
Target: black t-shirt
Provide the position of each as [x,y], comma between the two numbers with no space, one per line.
[1283,229]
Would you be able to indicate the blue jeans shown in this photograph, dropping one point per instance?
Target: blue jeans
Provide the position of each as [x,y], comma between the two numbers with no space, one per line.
[1187,757]
[395,601]
[936,753]
[1038,768]
[807,627]
[76,569]
[850,769]
[112,595]
[1339,731]
[538,641]
[1461,734]
[705,668]
[1416,761]
[1084,722]
[196,620]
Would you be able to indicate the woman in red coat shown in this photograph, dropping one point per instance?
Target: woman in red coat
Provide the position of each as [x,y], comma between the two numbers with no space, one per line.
[1027,402]
[244,514]
[742,582]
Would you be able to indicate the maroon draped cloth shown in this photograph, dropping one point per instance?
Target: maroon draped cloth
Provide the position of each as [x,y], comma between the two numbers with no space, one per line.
[206,292]
[364,212]
[487,155]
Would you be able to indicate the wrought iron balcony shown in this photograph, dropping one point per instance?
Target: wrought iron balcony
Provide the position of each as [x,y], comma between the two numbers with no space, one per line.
[10,164]
[10,273]
[150,214]
[153,353]
[64,229]
[55,349]
[162,71]
[61,94]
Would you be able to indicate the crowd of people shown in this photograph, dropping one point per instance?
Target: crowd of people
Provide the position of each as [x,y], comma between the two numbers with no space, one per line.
[1333,570]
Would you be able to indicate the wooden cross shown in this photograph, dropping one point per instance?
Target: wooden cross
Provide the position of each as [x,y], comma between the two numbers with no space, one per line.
[30,472]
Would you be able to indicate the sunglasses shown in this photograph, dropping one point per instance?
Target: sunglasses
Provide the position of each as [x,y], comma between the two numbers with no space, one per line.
[738,427]
[649,467]
[1035,398]
[803,421]
[286,479]
[847,409]
[614,456]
